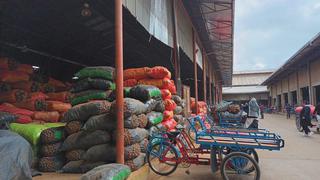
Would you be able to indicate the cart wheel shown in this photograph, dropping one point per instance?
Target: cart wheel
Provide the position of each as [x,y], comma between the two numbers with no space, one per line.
[162,158]
[251,152]
[298,125]
[232,167]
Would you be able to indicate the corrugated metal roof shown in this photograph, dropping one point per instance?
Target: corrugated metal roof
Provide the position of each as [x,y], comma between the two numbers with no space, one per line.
[245,79]
[244,89]
[307,53]
[214,21]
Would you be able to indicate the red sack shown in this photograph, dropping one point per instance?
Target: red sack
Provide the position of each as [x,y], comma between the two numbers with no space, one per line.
[169,124]
[61,107]
[130,82]
[27,86]
[38,96]
[159,72]
[23,119]
[26,68]
[169,104]
[13,76]
[32,105]
[6,63]
[13,96]
[60,96]
[56,83]
[135,73]
[5,107]
[159,83]
[166,94]
[167,115]
[47,116]
[172,87]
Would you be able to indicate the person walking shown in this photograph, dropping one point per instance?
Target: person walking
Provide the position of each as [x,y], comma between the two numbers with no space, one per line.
[317,113]
[262,111]
[254,112]
[288,110]
[305,120]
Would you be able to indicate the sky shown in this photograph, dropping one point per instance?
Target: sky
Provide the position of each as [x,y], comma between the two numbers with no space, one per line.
[269,32]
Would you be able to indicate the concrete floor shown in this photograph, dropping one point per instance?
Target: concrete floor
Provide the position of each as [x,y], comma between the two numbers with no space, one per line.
[298,160]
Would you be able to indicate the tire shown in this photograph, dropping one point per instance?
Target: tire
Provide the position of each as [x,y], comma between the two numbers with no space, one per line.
[151,157]
[253,153]
[235,156]
[298,125]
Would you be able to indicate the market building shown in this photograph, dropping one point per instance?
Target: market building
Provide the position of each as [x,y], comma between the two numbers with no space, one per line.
[246,84]
[297,81]
[192,39]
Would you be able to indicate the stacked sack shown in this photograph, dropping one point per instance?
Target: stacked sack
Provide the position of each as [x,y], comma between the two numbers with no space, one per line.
[88,143]
[95,83]
[202,107]
[135,123]
[178,112]
[26,95]
[46,140]
[159,77]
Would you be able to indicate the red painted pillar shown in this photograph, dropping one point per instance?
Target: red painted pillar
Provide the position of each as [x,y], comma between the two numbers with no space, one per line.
[195,69]
[119,80]
[204,76]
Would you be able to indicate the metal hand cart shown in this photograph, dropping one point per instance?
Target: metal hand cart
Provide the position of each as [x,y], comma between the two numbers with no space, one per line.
[230,150]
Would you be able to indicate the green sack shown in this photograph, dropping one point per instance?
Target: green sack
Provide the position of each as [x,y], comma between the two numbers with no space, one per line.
[108,172]
[155,118]
[32,132]
[126,91]
[144,92]
[90,95]
[90,83]
[103,72]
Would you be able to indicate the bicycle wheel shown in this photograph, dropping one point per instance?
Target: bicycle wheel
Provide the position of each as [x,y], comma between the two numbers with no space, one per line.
[162,158]
[298,125]
[232,167]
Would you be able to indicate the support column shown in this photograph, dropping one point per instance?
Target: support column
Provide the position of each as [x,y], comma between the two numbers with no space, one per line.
[195,69]
[119,80]
[176,54]
[204,76]
[299,99]
[310,84]
[210,84]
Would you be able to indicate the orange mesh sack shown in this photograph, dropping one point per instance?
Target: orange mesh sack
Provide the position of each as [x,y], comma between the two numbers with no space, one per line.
[167,115]
[160,83]
[28,86]
[56,83]
[130,82]
[26,68]
[60,96]
[13,96]
[13,76]
[159,72]
[7,63]
[38,96]
[166,94]
[58,106]
[47,116]
[169,104]
[135,73]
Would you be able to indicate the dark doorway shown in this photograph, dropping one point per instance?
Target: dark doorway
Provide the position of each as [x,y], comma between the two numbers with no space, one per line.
[294,97]
[305,95]
[279,102]
[286,98]
[317,94]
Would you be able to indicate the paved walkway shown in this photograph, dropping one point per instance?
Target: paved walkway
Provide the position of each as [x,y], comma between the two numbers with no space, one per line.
[299,160]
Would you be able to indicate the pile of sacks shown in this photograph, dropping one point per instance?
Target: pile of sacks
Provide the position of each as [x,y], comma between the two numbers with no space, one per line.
[159,77]
[29,97]
[94,83]
[46,140]
[88,142]
[202,107]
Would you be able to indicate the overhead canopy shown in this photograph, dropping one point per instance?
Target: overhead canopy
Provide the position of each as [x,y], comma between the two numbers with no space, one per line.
[214,21]
[309,52]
